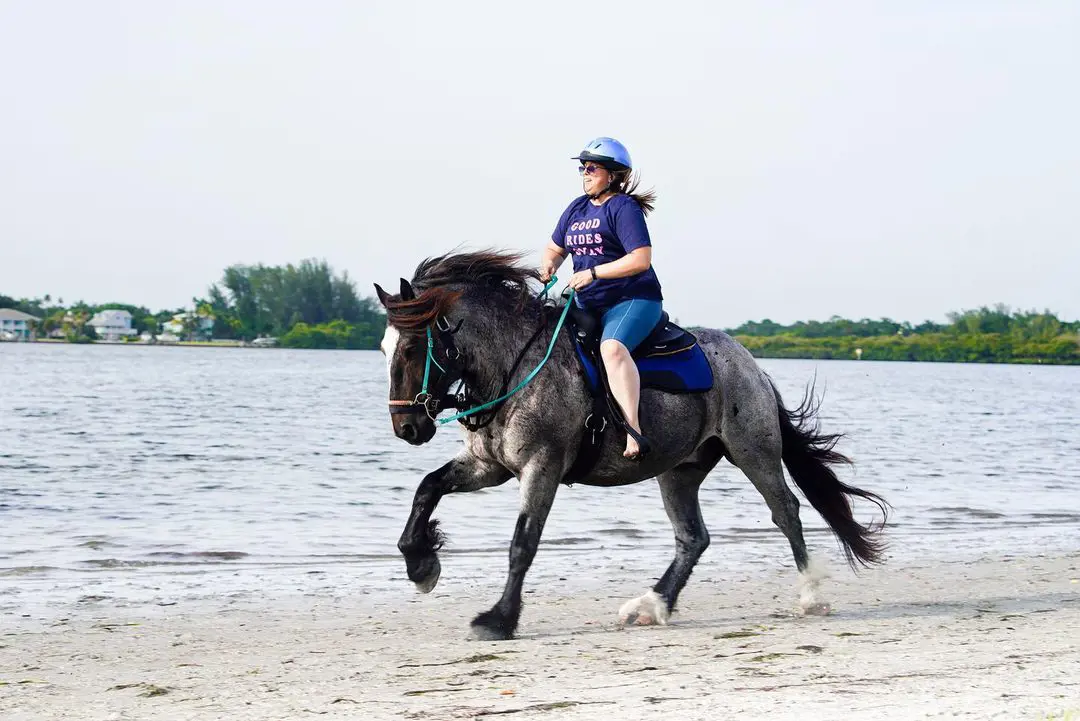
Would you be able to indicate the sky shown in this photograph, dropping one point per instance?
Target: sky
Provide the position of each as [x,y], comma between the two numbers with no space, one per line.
[861,159]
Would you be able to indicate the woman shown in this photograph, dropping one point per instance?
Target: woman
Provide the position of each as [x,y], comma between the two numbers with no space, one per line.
[605,231]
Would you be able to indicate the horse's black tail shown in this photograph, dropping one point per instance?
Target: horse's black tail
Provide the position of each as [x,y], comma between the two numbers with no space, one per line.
[808,454]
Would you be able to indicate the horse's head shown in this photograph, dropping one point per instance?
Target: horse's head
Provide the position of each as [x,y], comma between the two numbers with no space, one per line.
[409,316]
[428,308]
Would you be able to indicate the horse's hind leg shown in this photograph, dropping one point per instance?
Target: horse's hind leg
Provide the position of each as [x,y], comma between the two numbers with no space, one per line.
[679,489]
[758,455]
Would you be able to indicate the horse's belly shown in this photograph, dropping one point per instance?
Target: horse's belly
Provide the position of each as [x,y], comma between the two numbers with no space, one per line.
[626,472]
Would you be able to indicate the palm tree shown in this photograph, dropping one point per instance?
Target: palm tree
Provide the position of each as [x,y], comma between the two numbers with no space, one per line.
[191,326]
[75,327]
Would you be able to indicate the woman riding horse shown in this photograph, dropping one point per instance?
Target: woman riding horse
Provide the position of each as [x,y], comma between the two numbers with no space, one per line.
[605,231]
[473,319]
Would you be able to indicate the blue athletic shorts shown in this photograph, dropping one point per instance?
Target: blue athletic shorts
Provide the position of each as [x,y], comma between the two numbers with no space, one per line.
[631,321]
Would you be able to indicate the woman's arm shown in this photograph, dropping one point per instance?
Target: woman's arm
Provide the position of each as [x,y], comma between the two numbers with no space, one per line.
[551,260]
[634,262]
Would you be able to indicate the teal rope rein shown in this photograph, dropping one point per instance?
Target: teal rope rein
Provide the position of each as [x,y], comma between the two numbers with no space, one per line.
[525,381]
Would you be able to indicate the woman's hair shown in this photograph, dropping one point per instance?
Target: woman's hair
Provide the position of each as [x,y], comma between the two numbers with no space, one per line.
[626,181]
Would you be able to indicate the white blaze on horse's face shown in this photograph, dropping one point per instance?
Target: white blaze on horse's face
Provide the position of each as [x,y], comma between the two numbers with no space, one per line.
[389,348]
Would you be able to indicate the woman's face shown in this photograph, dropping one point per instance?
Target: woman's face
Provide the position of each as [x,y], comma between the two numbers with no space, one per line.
[594,178]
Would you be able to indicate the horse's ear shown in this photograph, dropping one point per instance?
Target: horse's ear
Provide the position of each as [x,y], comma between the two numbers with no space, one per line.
[383,295]
[407,292]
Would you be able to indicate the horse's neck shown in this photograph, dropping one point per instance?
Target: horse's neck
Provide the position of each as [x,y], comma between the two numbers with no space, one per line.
[492,340]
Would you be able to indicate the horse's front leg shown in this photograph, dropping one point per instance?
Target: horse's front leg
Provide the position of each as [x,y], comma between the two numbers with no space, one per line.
[539,482]
[421,539]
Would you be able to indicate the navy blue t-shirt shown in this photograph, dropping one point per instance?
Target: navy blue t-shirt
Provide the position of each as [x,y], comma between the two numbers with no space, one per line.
[594,235]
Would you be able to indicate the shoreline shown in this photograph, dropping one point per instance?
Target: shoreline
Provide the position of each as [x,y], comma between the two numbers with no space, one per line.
[810,357]
[181,344]
[989,638]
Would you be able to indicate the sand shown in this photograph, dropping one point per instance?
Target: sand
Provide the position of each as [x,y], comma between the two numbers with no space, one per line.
[980,639]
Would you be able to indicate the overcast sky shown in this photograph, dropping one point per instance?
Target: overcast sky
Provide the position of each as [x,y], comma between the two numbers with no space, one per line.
[898,159]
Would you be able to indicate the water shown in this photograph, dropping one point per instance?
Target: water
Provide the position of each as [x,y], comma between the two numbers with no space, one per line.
[140,475]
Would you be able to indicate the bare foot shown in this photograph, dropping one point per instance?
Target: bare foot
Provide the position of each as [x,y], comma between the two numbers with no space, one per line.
[633,450]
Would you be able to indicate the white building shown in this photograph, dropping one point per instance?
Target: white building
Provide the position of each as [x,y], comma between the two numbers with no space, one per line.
[112,324]
[203,328]
[16,325]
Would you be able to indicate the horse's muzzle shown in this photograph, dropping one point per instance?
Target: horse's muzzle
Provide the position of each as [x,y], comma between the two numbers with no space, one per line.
[415,429]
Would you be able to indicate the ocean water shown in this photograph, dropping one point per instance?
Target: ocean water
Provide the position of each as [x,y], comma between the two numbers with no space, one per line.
[147,475]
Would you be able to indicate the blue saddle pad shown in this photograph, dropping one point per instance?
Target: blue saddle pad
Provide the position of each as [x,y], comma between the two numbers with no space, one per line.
[683,371]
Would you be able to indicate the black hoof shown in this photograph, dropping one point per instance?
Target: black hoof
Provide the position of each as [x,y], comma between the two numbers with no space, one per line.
[493,626]
[424,572]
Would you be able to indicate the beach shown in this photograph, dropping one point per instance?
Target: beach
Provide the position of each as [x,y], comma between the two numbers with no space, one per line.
[168,551]
[987,638]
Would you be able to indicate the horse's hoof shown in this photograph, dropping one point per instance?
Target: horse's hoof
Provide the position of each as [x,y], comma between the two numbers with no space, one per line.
[426,574]
[483,633]
[491,626]
[810,601]
[817,609]
[648,610]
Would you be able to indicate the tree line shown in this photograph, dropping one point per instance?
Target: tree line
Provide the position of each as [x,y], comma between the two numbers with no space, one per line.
[308,305]
[998,319]
[987,334]
[73,320]
[304,306]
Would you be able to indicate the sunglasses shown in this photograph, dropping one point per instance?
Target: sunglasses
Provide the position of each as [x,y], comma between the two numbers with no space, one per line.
[589,169]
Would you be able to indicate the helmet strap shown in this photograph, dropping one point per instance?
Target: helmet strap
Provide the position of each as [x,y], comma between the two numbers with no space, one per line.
[608,187]
[594,196]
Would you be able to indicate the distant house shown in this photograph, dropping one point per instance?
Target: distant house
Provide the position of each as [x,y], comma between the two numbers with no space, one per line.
[112,324]
[203,326]
[175,326]
[16,325]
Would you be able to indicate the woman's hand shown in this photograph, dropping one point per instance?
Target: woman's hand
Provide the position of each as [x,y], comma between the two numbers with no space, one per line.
[547,269]
[580,279]
[550,261]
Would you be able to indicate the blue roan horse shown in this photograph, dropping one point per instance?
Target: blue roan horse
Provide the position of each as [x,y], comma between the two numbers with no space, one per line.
[474,318]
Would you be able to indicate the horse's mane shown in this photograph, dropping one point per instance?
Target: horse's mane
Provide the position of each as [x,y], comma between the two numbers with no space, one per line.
[441,281]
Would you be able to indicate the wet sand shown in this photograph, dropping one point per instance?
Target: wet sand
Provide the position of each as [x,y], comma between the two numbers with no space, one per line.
[986,639]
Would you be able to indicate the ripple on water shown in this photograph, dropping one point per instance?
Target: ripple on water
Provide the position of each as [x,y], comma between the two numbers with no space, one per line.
[966,511]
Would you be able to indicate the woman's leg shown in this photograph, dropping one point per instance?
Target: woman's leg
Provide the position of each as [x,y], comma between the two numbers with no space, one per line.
[625,326]
[625,385]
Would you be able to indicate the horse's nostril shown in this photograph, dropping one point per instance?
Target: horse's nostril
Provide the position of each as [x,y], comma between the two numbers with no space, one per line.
[408,431]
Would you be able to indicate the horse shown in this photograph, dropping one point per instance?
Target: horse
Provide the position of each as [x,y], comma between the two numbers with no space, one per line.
[469,320]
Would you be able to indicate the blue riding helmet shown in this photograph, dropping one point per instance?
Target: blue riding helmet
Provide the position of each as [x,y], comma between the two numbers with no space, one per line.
[608,152]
